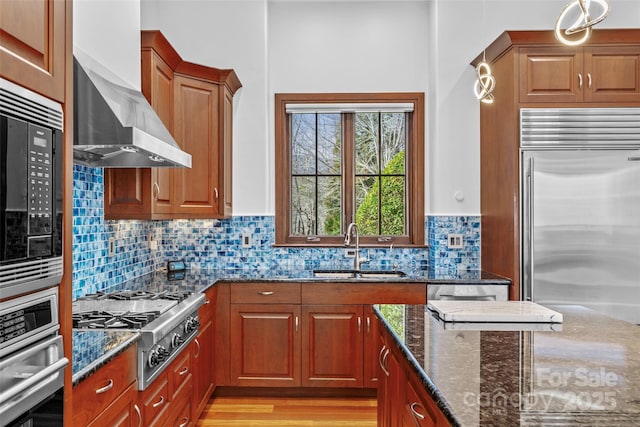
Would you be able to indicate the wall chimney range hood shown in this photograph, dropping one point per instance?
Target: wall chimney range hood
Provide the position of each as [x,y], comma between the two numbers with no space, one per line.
[114,125]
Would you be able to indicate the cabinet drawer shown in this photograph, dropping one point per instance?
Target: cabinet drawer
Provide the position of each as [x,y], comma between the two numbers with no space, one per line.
[103,387]
[265,293]
[181,414]
[207,311]
[180,371]
[155,400]
[364,293]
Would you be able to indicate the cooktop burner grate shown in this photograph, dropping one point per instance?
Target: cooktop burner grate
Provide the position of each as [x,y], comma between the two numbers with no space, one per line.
[138,295]
[111,320]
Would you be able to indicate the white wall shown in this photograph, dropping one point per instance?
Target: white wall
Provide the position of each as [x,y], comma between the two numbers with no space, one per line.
[109,31]
[267,43]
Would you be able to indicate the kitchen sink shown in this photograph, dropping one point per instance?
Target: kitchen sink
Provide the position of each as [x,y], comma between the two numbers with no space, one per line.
[354,274]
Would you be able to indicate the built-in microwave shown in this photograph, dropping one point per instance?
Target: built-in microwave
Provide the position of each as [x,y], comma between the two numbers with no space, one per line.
[30,190]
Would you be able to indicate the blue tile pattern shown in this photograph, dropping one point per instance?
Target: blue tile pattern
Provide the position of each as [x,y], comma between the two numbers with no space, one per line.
[216,244]
[444,259]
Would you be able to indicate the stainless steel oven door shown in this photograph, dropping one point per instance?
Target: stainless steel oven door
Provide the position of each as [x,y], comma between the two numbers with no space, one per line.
[29,376]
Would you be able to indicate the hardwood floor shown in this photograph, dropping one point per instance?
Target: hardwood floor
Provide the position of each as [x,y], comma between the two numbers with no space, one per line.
[287,411]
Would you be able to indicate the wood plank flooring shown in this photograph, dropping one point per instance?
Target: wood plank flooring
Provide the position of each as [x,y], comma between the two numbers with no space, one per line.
[227,411]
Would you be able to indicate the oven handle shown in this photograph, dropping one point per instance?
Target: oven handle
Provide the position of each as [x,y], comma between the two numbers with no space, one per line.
[34,380]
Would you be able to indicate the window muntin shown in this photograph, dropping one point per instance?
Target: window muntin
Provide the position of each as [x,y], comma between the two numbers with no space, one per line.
[335,167]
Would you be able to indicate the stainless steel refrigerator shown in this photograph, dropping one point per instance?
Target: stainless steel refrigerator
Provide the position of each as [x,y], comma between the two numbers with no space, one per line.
[580,228]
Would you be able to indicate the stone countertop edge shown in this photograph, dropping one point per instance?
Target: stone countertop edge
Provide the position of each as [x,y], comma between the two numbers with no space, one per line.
[431,389]
[91,368]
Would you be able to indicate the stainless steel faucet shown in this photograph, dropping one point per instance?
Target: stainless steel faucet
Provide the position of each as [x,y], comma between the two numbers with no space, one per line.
[352,229]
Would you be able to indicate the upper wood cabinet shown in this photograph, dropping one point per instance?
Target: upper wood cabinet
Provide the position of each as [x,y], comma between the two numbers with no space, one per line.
[196,104]
[32,42]
[592,74]
[532,69]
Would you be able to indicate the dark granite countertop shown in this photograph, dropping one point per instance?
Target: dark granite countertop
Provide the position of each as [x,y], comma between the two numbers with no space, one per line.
[93,349]
[200,280]
[584,373]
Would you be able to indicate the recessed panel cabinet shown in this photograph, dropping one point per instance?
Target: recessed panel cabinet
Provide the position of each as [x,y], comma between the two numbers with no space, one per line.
[196,105]
[594,74]
[302,335]
[33,44]
[402,398]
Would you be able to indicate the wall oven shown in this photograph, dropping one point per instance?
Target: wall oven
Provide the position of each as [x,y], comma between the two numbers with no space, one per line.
[32,361]
[30,191]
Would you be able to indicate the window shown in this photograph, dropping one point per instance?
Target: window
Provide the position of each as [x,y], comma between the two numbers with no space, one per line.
[343,158]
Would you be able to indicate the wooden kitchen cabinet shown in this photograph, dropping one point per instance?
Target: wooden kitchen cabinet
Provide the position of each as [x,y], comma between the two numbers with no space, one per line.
[107,395]
[302,335]
[196,104]
[122,412]
[203,355]
[33,44]
[332,346]
[402,398]
[592,74]
[533,70]
[265,345]
[163,402]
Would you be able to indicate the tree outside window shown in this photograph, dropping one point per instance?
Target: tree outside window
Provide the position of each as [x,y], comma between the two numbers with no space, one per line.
[345,158]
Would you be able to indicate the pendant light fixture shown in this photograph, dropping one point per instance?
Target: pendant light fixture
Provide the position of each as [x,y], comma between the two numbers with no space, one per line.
[583,23]
[485,82]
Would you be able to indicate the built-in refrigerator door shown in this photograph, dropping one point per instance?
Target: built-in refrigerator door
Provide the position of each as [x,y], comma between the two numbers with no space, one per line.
[581,230]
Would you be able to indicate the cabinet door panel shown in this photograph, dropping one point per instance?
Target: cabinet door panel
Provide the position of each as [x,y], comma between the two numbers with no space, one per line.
[332,346]
[158,89]
[550,75]
[33,45]
[196,108]
[265,345]
[370,356]
[613,74]
[203,367]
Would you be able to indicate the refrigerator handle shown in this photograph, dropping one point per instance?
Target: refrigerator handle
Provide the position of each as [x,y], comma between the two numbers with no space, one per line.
[528,265]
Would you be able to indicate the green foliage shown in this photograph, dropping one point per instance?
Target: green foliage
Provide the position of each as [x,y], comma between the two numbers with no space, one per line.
[394,315]
[392,207]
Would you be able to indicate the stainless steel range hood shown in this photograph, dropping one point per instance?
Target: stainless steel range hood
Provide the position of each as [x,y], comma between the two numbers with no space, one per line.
[114,125]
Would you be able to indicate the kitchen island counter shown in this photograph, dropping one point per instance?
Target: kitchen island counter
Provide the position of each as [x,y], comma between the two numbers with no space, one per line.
[585,371]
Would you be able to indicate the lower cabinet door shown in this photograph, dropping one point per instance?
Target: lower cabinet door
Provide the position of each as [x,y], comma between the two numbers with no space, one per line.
[332,345]
[265,345]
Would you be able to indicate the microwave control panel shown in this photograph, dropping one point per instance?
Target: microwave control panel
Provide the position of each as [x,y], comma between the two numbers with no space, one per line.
[40,180]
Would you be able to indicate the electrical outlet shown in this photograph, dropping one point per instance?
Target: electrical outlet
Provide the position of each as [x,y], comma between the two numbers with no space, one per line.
[350,253]
[112,246]
[246,240]
[153,243]
[455,241]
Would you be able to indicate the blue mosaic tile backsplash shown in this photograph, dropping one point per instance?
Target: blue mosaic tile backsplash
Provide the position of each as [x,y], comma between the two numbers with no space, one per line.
[216,244]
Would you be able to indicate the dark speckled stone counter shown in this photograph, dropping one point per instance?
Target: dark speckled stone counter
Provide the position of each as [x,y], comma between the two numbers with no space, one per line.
[585,373]
[93,349]
[200,280]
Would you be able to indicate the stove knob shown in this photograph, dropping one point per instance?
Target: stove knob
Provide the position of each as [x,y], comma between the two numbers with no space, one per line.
[153,360]
[162,353]
[176,341]
[191,325]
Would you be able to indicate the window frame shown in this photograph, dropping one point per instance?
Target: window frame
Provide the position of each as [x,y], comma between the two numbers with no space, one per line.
[414,156]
